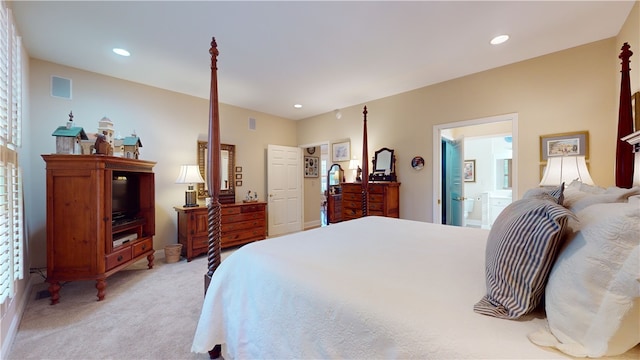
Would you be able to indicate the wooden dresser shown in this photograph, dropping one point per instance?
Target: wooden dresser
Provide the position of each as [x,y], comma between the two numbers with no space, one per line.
[100,217]
[384,200]
[241,223]
[334,208]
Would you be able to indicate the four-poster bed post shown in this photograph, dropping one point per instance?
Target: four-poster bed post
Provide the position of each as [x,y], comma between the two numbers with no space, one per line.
[213,164]
[213,180]
[365,166]
[624,150]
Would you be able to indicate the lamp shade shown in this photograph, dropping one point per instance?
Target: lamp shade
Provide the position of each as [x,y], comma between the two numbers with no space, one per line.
[189,174]
[565,169]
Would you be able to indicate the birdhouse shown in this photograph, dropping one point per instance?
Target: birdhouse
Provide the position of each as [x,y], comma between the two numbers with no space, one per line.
[132,145]
[69,138]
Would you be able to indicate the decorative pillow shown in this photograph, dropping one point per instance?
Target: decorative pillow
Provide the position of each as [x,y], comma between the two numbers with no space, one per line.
[556,192]
[610,195]
[521,248]
[593,294]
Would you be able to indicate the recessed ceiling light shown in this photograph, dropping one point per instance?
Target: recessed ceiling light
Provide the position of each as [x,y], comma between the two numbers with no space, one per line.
[121,52]
[298,106]
[499,39]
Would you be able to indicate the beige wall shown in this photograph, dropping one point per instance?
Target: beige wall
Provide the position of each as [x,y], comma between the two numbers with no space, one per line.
[571,90]
[168,124]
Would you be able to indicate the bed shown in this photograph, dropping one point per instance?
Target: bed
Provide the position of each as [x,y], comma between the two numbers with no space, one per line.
[378,287]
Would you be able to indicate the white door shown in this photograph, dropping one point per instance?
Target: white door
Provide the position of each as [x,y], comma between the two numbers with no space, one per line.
[284,186]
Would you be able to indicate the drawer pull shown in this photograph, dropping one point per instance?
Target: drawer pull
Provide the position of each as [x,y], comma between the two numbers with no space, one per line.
[144,247]
[119,258]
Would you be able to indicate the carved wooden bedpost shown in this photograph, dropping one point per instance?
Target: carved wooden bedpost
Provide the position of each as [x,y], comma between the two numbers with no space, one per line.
[213,164]
[365,167]
[624,150]
[213,181]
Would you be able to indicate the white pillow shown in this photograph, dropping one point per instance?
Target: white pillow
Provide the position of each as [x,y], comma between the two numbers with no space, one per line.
[593,293]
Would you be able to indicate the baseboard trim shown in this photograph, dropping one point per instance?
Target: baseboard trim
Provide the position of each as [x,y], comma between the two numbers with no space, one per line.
[312,224]
[15,322]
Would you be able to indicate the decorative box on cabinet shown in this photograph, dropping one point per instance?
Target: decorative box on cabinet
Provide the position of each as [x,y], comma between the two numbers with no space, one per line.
[85,241]
[241,223]
[383,200]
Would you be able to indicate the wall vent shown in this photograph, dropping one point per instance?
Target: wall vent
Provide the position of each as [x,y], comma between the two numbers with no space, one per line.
[61,87]
[252,123]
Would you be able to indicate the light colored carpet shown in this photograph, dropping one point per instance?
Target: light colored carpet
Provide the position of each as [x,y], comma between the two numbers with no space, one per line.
[146,314]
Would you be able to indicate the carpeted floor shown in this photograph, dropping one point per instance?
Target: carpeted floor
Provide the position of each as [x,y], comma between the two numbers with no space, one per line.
[146,314]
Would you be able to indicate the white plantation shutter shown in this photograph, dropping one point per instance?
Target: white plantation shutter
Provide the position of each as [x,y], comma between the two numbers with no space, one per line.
[11,198]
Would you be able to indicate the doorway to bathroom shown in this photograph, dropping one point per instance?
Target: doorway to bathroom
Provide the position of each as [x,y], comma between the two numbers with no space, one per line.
[476,176]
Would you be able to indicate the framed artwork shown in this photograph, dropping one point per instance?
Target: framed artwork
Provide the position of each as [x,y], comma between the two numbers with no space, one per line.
[469,171]
[238,183]
[238,169]
[238,176]
[310,166]
[341,151]
[564,144]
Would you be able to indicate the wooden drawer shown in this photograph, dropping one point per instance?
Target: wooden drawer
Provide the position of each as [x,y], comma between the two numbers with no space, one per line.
[229,210]
[118,257]
[241,237]
[142,247]
[351,197]
[227,219]
[376,189]
[352,212]
[199,242]
[376,198]
[243,225]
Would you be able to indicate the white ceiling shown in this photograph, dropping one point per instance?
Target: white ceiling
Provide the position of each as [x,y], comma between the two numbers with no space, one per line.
[325,55]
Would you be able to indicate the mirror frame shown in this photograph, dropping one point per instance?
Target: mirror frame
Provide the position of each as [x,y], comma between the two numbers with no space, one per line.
[380,175]
[227,196]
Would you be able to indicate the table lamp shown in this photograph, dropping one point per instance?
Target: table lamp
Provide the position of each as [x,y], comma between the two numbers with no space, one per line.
[190,174]
[565,169]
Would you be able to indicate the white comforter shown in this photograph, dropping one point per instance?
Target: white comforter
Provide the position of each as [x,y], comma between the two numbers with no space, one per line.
[362,289]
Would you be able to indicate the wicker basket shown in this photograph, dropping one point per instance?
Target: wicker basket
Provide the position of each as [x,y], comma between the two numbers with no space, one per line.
[172,253]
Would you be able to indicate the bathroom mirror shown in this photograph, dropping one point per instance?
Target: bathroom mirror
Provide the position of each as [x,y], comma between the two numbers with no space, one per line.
[383,166]
[503,173]
[227,166]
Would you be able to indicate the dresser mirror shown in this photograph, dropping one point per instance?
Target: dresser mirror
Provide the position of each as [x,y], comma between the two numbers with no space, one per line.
[227,167]
[384,168]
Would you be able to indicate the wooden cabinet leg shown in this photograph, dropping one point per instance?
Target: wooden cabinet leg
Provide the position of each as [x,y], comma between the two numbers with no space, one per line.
[101,284]
[54,290]
[150,259]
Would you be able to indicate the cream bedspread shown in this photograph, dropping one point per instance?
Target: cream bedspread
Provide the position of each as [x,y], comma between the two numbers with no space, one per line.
[363,289]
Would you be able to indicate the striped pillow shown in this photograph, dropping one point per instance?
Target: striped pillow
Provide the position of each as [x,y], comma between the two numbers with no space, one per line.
[521,248]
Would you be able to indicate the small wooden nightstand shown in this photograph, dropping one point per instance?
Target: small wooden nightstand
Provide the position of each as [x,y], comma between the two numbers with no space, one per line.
[241,223]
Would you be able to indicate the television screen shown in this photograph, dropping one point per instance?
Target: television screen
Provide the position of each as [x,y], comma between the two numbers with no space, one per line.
[124,196]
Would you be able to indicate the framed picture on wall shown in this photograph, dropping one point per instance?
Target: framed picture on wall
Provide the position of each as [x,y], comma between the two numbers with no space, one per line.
[310,166]
[469,171]
[341,151]
[564,144]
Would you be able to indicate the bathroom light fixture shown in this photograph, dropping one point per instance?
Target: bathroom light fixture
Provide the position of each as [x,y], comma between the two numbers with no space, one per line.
[298,106]
[190,174]
[121,52]
[565,169]
[499,39]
